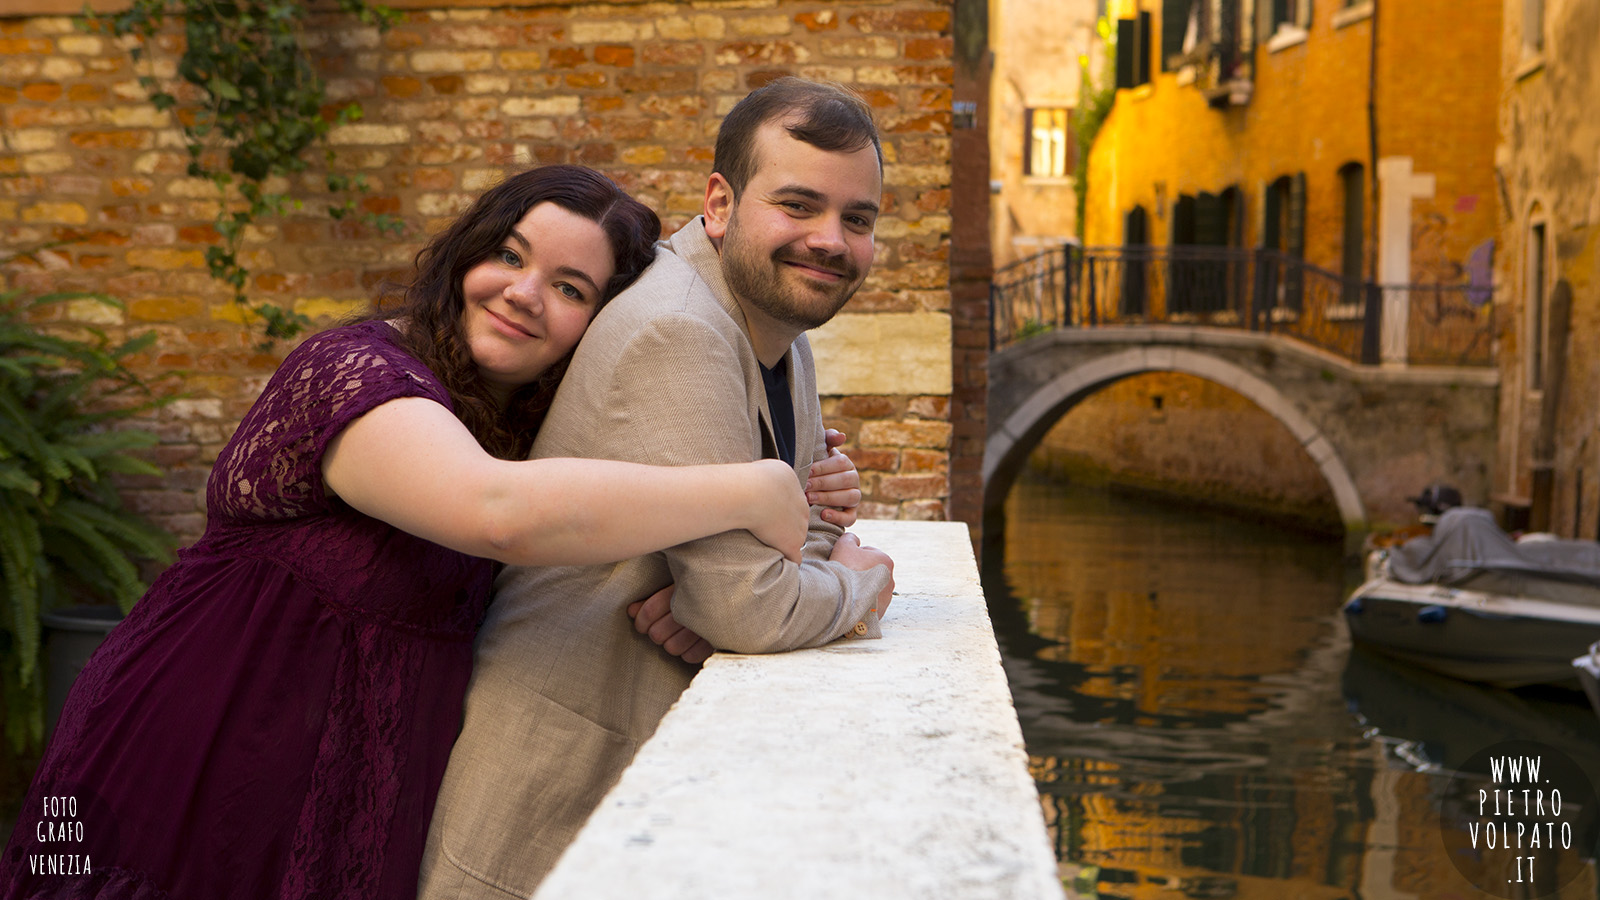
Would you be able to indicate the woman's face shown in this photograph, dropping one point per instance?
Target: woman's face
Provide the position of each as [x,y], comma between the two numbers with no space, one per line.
[527,305]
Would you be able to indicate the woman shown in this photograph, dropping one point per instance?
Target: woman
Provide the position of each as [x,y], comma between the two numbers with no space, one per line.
[273,718]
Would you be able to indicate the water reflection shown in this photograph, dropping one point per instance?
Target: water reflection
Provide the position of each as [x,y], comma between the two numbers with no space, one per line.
[1197,724]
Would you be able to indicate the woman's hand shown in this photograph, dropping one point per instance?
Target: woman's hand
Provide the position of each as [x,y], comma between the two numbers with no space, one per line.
[779,515]
[653,616]
[835,484]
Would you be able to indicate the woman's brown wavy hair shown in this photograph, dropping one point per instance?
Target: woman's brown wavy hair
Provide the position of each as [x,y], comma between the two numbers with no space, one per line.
[432,303]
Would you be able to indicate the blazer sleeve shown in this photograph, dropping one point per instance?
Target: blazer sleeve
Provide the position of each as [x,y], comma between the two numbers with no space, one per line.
[735,591]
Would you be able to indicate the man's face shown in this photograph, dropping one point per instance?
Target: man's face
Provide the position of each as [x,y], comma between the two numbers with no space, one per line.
[797,243]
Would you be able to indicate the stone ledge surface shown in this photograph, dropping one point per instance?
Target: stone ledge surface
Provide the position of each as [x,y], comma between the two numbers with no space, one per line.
[891,768]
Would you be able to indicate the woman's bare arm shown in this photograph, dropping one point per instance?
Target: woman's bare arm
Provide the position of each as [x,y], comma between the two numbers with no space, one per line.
[410,463]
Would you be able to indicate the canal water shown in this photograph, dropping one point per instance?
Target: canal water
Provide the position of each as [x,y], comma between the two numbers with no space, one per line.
[1198,725]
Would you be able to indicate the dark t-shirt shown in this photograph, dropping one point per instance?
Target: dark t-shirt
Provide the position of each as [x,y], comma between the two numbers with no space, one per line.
[782,407]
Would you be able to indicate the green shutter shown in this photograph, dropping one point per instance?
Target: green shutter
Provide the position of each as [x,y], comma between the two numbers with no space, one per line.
[1174,22]
[1210,220]
[1127,43]
[1297,216]
[1141,74]
[1272,218]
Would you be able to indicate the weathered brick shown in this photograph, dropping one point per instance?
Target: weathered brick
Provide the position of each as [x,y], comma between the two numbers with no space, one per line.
[905,20]
[541,106]
[866,407]
[64,213]
[593,32]
[877,459]
[762,25]
[165,258]
[451,61]
[871,509]
[165,309]
[744,53]
[825,20]
[364,133]
[932,407]
[521,60]
[924,49]
[869,47]
[47,163]
[38,92]
[612,55]
[924,461]
[703,26]
[29,140]
[911,433]
[910,487]
[923,510]
[119,140]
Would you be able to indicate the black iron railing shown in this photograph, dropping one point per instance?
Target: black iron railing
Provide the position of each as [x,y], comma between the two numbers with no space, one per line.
[1256,290]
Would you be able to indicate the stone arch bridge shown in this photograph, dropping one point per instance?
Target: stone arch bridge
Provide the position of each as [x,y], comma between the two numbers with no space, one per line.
[1376,433]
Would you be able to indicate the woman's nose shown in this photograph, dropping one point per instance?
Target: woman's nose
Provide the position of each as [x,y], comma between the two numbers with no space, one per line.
[524,293]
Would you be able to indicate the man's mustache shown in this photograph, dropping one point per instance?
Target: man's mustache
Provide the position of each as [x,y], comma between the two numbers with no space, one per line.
[838,265]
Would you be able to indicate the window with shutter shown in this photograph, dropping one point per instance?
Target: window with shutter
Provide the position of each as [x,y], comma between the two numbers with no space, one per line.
[1135,236]
[1051,150]
[1352,255]
[1174,25]
[1127,37]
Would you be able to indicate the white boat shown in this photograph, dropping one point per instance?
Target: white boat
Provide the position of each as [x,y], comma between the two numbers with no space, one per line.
[1469,602]
[1587,667]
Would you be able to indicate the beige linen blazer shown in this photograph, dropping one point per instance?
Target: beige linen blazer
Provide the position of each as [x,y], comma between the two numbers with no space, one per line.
[563,689]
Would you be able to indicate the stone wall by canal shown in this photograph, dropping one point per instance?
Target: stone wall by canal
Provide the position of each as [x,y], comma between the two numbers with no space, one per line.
[1184,437]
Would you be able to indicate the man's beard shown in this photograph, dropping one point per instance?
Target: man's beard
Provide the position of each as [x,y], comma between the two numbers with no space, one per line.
[759,281]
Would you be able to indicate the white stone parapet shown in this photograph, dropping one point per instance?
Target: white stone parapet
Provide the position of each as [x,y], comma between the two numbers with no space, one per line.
[879,769]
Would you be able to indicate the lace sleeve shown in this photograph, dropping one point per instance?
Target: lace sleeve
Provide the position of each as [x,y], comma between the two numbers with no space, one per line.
[272,468]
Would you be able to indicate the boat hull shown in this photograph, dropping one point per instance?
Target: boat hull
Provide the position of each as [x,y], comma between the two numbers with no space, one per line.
[1498,640]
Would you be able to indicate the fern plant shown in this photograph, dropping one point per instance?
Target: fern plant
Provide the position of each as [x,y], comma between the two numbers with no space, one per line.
[64,533]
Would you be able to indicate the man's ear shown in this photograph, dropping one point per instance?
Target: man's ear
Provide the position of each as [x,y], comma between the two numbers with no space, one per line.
[718,206]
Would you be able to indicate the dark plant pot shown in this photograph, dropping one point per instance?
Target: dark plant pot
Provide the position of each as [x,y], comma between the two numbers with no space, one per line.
[71,634]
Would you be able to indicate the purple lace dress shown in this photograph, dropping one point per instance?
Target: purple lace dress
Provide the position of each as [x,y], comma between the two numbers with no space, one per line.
[274,717]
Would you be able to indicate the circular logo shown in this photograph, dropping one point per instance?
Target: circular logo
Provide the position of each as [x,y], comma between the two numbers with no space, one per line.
[1519,819]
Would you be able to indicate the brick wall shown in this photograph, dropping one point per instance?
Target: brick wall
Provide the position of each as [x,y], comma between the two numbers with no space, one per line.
[455,99]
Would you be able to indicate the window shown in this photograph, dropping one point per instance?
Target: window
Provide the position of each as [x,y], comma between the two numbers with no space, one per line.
[1352,258]
[1133,51]
[1051,147]
[1284,229]
[1538,301]
[1293,14]
[1135,236]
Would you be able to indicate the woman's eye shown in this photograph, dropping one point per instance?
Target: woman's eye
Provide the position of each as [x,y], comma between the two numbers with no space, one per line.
[510,257]
[570,291]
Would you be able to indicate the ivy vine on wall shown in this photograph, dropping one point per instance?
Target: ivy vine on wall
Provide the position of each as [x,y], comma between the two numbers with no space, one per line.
[253,112]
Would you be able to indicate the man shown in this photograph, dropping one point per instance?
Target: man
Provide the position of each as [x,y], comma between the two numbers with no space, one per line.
[702,360]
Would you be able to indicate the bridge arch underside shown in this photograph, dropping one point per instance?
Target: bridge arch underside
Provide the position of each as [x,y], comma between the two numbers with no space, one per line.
[1009,445]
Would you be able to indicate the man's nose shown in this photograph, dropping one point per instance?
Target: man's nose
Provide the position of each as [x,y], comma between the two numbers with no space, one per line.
[827,237]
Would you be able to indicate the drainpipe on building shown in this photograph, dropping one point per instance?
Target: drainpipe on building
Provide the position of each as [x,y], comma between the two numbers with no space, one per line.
[1372,140]
[1544,440]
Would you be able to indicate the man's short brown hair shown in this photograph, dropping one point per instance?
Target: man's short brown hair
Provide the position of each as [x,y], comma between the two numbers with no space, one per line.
[825,115]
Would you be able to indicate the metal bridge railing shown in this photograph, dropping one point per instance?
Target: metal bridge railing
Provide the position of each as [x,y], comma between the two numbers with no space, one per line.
[1256,290]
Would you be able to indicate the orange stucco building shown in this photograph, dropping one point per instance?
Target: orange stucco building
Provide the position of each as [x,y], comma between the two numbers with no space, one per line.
[1351,135]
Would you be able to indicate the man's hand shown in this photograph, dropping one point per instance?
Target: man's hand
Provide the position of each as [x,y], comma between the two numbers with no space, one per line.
[848,552]
[835,484]
[653,616]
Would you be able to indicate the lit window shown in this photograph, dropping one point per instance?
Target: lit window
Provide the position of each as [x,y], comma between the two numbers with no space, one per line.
[1052,150]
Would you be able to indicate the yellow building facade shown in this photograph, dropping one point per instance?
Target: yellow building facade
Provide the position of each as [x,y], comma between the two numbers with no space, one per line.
[1356,137]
